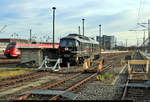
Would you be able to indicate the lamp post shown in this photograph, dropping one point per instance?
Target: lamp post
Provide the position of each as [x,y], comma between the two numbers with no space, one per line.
[54,8]
[83,25]
[100,39]
[144,40]
[79,30]
[148,36]
[30,35]
[126,44]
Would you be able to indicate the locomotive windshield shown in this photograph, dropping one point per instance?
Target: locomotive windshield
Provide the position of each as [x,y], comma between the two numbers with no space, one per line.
[67,42]
[11,45]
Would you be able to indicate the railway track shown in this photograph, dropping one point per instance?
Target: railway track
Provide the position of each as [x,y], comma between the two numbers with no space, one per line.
[17,79]
[67,84]
[73,87]
[137,90]
[9,63]
[140,93]
[6,61]
[20,78]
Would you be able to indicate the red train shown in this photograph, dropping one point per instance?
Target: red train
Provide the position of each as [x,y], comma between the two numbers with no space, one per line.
[12,50]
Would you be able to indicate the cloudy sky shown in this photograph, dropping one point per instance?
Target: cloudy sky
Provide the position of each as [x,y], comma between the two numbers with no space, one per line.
[115,16]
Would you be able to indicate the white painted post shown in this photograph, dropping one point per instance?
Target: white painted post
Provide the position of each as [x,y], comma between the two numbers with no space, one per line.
[68,67]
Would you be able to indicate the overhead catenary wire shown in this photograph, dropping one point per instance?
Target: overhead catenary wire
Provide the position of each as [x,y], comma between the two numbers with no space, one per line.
[140,10]
[139,15]
[3,28]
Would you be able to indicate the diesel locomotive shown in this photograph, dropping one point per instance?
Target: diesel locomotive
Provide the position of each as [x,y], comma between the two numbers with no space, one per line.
[75,48]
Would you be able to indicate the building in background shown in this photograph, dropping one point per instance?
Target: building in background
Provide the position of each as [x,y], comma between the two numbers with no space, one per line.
[108,42]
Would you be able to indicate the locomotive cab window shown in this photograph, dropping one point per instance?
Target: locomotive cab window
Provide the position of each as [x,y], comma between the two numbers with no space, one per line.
[67,42]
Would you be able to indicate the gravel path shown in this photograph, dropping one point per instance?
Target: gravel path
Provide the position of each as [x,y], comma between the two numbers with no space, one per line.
[95,90]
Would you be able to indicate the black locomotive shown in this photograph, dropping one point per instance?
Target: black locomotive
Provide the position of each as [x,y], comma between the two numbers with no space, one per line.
[75,48]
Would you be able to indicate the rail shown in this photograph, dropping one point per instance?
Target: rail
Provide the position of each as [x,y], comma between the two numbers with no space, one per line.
[51,85]
[137,79]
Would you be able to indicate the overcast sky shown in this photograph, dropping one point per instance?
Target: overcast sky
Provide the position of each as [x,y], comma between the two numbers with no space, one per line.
[115,16]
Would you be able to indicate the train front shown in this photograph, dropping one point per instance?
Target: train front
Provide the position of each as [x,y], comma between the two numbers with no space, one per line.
[68,50]
[11,50]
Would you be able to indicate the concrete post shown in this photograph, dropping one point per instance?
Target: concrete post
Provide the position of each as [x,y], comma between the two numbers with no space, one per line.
[148,48]
[83,25]
[30,35]
[144,40]
[100,43]
[68,67]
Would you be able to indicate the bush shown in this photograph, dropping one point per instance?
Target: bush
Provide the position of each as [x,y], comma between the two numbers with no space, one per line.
[105,76]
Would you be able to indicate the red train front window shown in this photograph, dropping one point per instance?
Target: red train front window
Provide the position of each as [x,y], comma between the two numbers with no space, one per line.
[11,45]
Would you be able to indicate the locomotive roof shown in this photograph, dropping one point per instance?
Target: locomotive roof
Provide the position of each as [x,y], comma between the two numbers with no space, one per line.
[81,38]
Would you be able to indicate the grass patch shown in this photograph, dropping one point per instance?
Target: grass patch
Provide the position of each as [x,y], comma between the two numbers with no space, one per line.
[105,76]
[12,73]
[3,69]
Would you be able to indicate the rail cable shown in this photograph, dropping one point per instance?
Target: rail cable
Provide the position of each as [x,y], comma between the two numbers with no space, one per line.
[141,7]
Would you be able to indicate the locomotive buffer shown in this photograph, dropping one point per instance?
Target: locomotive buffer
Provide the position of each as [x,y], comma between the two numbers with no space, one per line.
[50,64]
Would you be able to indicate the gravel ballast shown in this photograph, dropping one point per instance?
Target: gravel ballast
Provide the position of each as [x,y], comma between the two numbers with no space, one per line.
[95,90]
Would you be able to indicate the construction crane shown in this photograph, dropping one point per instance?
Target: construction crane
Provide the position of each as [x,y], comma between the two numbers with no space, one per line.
[3,28]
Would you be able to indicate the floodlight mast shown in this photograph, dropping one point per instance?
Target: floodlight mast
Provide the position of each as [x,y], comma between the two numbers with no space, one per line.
[83,25]
[54,8]
[100,45]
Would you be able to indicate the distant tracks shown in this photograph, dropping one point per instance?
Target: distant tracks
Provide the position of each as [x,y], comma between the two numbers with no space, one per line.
[20,78]
[3,61]
[67,80]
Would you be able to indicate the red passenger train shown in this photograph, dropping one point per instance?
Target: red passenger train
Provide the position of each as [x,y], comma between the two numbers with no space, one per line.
[12,50]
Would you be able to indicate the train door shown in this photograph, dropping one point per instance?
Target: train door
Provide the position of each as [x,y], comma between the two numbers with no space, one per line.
[78,45]
[81,47]
[92,48]
[17,50]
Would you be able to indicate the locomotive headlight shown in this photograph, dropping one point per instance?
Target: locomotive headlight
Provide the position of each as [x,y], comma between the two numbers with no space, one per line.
[76,59]
[66,49]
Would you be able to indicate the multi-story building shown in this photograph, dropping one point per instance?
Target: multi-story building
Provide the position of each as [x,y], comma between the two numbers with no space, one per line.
[108,42]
